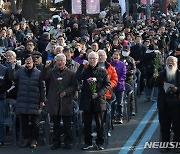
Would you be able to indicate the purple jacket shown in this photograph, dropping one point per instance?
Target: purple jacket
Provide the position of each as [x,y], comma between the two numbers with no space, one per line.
[121,72]
[79,60]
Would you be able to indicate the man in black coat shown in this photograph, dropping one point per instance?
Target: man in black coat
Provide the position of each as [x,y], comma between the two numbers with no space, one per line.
[137,52]
[93,98]
[5,84]
[168,82]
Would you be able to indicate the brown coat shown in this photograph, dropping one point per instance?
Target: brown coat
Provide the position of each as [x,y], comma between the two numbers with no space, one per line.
[54,104]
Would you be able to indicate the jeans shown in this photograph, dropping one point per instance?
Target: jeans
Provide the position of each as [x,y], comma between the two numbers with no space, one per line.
[2,127]
[120,104]
[151,92]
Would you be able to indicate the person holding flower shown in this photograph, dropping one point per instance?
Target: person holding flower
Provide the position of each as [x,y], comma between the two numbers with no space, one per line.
[59,99]
[96,83]
[153,64]
[168,101]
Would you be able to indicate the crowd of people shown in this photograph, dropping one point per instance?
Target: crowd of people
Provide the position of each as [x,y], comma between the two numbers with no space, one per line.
[42,64]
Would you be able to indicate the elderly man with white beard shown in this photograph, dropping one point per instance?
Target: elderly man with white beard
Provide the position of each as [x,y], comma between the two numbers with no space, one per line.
[168,82]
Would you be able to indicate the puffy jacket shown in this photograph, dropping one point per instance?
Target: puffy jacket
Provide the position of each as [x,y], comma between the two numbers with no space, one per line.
[113,78]
[31,90]
[121,72]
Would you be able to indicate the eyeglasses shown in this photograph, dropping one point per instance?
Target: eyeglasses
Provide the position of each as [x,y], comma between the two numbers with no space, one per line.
[54,42]
[29,44]
[101,55]
[92,58]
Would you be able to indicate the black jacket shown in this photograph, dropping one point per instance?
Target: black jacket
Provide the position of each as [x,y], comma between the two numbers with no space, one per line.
[5,83]
[130,66]
[166,99]
[31,90]
[12,91]
[103,85]
[72,65]
[138,52]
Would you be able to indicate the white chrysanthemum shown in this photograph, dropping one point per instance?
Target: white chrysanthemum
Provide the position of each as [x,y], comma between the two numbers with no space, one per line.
[59,79]
[94,79]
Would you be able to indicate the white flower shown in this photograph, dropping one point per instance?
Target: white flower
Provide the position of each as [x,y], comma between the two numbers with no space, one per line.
[94,79]
[59,79]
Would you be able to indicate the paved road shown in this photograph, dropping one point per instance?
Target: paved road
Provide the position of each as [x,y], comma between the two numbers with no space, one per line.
[126,138]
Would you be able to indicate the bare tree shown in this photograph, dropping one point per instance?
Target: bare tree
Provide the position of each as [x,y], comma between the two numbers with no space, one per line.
[29,9]
[13,6]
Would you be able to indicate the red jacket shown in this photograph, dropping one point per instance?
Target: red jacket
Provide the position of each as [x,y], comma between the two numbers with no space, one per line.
[113,78]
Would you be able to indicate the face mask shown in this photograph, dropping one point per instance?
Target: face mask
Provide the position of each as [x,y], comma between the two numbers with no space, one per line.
[140,34]
[58,26]
[115,28]
[107,32]
[143,24]
[121,37]
[125,54]
[108,49]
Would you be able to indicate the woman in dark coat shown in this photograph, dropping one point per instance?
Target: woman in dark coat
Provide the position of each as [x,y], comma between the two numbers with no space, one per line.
[30,99]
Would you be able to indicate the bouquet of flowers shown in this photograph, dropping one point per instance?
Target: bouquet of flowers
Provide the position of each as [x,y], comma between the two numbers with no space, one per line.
[60,86]
[92,83]
[157,64]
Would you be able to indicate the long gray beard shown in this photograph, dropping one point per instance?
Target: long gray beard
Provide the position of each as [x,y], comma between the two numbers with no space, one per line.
[171,73]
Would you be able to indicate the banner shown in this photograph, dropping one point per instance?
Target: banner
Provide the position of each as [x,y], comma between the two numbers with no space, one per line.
[57,1]
[92,6]
[145,2]
[122,3]
[76,7]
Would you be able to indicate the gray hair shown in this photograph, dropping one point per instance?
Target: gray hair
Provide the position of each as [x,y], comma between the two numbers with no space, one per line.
[59,47]
[12,53]
[172,57]
[104,52]
[60,55]
[93,53]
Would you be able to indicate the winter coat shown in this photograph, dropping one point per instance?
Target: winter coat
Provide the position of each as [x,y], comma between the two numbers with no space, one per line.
[113,79]
[121,72]
[55,105]
[166,100]
[5,83]
[72,65]
[130,66]
[12,91]
[102,86]
[31,90]
[137,52]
